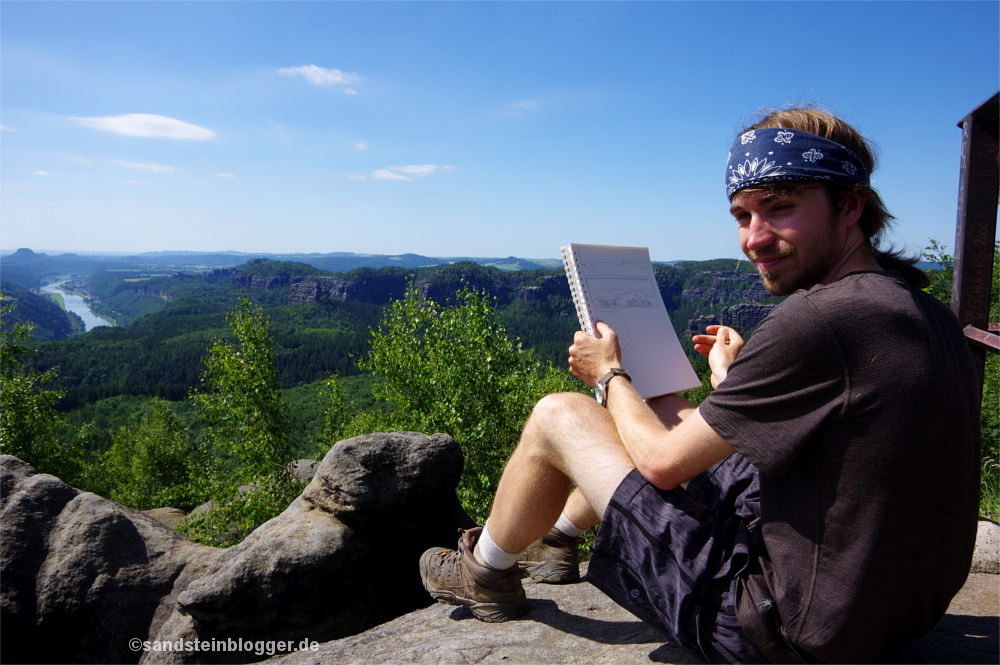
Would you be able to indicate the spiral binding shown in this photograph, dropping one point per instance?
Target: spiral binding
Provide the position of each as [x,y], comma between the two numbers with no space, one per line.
[577,290]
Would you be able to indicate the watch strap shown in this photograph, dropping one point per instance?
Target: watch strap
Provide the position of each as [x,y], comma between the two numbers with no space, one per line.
[601,389]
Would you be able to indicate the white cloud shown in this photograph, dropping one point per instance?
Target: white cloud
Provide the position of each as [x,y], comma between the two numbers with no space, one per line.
[145,124]
[423,170]
[361,145]
[225,175]
[382,174]
[518,108]
[41,172]
[354,176]
[6,129]
[320,76]
[157,168]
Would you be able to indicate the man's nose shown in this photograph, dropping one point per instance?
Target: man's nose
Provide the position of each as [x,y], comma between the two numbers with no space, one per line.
[758,235]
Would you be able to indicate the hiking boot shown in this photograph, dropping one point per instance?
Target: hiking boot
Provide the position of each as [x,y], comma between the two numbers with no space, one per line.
[552,559]
[456,578]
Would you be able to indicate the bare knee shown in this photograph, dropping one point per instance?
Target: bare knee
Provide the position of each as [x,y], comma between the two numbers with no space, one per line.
[560,409]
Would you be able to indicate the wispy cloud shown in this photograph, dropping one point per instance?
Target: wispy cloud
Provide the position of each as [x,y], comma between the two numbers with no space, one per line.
[361,145]
[382,174]
[421,171]
[225,175]
[517,109]
[357,176]
[320,76]
[157,168]
[145,124]
[6,129]
[403,172]
[41,172]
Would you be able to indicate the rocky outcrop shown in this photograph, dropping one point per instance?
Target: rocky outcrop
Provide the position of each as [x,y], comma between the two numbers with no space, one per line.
[577,624]
[552,285]
[728,287]
[85,580]
[743,318]
[266,282]
[379,290]
[81,576]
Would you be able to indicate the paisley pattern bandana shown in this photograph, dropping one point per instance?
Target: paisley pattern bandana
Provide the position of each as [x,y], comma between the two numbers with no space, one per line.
[775,154]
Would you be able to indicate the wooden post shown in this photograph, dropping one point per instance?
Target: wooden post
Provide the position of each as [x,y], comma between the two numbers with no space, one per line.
[975,233]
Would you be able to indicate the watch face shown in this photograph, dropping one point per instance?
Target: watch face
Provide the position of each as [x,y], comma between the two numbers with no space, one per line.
[599,393]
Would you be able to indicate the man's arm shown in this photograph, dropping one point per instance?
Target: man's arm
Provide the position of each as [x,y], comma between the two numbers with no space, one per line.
[668,446]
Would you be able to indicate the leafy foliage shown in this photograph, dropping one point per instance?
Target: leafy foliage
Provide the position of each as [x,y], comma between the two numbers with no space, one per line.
[248,422]
[28,419]
[454,370]
[148,460]
[941,281]
[50,321]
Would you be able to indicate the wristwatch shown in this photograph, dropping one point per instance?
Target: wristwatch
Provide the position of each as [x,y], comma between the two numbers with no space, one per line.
[601,389]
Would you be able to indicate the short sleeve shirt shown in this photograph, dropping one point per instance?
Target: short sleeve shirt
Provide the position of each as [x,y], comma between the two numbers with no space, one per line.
[858,403]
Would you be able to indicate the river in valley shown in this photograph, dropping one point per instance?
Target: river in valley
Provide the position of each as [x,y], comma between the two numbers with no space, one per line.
[77,305]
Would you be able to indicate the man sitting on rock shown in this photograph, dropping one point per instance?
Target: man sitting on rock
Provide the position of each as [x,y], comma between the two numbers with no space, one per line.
[821,504]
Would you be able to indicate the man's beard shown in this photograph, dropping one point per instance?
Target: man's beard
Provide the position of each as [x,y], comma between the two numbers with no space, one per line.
[789,279]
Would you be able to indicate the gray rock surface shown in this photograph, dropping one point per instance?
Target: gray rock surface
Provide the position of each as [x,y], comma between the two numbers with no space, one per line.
[576,623]
[745,316]
[81,576]
[986,558]
[169,517]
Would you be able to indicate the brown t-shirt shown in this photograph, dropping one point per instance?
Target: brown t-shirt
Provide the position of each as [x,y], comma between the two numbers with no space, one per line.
[857,401]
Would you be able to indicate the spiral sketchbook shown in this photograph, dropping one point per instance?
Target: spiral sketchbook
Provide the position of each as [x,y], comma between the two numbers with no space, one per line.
[616,285]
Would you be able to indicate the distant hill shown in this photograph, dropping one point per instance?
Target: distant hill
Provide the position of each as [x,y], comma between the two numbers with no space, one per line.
[29,268]
[51,322]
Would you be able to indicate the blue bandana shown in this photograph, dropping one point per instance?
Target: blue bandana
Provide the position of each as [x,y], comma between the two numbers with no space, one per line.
[775,155]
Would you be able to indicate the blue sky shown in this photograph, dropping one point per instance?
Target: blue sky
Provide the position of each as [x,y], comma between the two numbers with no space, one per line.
[456,128]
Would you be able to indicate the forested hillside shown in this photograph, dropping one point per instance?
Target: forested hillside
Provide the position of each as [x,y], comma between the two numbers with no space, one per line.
[51,322]
[317,325]
[320,322]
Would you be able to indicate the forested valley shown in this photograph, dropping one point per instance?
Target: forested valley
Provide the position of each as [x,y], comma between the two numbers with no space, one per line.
[349,352]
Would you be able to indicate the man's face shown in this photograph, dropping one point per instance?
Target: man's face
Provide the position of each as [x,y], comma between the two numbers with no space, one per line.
[793,237]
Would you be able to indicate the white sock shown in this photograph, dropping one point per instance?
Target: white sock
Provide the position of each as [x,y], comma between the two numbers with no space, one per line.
[567,528]
[489,553]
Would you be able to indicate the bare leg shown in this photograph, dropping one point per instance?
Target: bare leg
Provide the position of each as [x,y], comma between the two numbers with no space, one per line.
[579,512]
[568,439]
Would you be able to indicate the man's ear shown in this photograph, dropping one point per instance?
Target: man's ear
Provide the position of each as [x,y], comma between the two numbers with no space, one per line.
[851,205]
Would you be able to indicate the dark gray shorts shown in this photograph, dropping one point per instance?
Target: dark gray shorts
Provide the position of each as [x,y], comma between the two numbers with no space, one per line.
[672,557]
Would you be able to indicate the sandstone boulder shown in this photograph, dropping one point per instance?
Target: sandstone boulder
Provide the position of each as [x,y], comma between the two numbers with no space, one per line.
[81,576]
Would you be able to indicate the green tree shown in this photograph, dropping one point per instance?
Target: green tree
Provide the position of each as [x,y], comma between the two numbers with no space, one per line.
[252,480]
[941,278]
[148,458]
[28,418]
[455,370]
[990,412]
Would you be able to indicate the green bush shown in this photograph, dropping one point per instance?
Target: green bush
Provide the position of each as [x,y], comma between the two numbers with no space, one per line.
[941,286]
[148,459]
[453,369]
[29,421]
[248,475]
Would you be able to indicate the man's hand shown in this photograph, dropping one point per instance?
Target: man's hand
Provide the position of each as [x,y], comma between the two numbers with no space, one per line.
[721,346]
[590,358]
